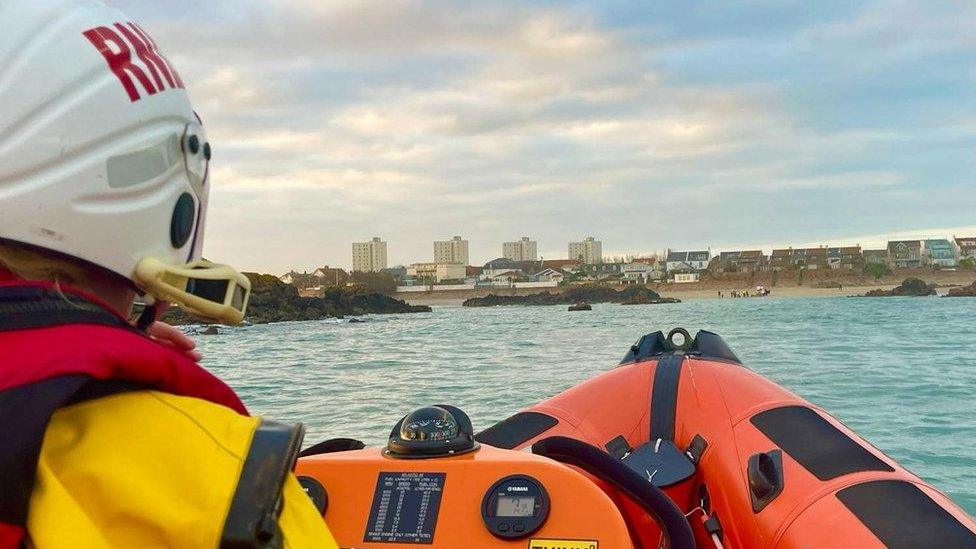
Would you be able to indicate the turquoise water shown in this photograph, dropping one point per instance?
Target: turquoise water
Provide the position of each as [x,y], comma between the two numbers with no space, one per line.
[900,371]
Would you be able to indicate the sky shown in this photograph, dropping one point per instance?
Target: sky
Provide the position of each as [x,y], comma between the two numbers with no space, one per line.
[682,124]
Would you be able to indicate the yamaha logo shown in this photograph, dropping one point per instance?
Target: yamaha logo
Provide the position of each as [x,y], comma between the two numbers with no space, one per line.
[518,488]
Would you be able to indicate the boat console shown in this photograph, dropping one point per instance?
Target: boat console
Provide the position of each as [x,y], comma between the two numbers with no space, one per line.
[434,485]
[486,498]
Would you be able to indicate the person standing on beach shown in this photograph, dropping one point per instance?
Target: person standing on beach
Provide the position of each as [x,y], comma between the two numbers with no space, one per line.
[114,435]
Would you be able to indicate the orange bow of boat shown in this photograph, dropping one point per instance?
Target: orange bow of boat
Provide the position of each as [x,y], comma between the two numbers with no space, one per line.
[680,444]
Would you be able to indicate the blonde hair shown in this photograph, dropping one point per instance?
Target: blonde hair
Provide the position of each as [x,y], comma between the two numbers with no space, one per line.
[32,264]
[36,264]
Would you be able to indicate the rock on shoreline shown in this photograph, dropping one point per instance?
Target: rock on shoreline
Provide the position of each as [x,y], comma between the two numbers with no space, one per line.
[964,291]
[274,301]
[632,295]
[910,287]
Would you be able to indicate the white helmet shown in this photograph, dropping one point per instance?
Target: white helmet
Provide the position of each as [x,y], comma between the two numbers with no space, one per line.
[102,157]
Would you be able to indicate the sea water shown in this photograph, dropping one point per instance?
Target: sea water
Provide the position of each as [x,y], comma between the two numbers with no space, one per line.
[899,371]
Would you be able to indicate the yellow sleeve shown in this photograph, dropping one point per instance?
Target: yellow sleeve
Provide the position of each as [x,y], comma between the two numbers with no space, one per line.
[149,469]
[300,521]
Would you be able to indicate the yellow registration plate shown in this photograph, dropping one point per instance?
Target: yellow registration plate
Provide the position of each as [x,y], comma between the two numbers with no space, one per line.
[563,544]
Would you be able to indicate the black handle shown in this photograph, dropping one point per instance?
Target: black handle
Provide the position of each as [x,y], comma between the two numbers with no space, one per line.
[765,474]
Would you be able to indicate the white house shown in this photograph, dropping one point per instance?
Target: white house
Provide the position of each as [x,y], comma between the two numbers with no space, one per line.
[551,275]
[637,273]
[697,261]
[436,272]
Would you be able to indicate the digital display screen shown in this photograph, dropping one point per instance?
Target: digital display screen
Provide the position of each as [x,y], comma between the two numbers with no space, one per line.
[519,506]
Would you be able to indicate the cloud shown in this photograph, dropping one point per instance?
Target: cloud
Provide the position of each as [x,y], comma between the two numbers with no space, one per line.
[644,125]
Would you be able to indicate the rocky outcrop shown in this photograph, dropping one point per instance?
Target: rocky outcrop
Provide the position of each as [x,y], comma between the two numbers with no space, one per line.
[910,287]
[646,296]
[963,291]
[274,301]
[631,295]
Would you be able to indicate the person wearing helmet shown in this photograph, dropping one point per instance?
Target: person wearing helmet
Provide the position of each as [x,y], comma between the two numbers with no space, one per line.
[113,437]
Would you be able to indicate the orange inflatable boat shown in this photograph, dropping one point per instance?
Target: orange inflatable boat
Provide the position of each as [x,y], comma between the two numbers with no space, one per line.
[679,446]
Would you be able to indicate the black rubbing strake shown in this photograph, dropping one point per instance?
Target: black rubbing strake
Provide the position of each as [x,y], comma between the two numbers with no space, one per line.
[511,432]
[664,397]
[814,443]
[903,517]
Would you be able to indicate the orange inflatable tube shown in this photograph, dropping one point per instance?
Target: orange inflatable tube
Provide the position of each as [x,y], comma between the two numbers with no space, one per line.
[682,432]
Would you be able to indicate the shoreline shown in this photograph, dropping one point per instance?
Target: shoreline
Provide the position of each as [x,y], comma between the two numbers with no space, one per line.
[709,289]
[683,295]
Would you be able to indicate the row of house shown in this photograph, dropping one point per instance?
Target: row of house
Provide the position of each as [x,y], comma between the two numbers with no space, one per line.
[678,266]
[901,254]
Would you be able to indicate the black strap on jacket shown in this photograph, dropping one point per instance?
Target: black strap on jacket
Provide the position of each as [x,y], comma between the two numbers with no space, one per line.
[252,521]
[26,308]
[26,411]
[664,397]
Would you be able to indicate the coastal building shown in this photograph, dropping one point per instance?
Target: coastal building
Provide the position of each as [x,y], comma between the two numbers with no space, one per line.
[602,270]
[522,250]
[737,261]
[330,276]
[811,258]
[965,246]
[435,272]
[505,277]
[369,256]
[500,265]
[564,265]
[652,260]
[875,257]
[549,275]
[940,252]
[781,260]
[905,254]
[587,252]
[686,277]
[725,262]
[799,258]
[695,261]
[454,250]
[638,273]
[845,257]
[752,261]
[294,277]
[299,280]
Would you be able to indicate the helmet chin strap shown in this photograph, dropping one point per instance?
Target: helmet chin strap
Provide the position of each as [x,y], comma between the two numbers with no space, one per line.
[146,317]
[208,290]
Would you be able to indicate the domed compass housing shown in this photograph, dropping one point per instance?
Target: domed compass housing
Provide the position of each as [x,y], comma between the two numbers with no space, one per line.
[432,431]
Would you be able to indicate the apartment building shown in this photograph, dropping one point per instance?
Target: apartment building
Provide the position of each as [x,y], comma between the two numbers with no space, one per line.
[454,250]
[522,250]
[588,252]
[369,256]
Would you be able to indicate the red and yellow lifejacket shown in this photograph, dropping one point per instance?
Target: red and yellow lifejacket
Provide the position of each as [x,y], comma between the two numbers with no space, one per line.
[63,353]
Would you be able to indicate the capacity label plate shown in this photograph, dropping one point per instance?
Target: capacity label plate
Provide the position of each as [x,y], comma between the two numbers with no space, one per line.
[405,508]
